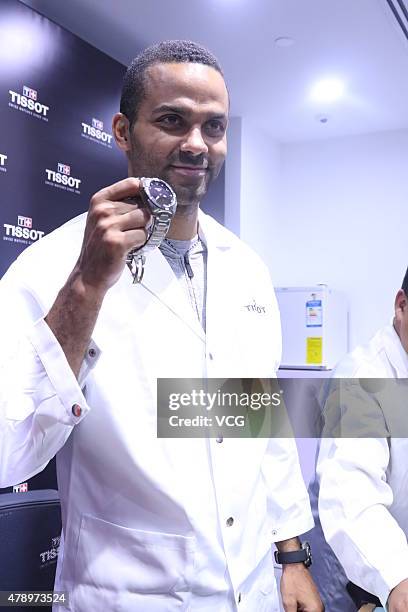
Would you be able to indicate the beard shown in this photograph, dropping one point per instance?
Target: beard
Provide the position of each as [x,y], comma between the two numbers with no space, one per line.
[189,190]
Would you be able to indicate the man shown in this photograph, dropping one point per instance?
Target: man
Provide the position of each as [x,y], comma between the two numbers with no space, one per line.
[153,524]
[363,497]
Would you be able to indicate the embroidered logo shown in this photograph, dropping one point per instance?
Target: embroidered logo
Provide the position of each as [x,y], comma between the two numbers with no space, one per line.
[254,307]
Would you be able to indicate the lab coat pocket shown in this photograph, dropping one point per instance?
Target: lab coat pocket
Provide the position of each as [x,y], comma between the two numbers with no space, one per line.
[268,594]
[261,601]
[131,569]
[261,593]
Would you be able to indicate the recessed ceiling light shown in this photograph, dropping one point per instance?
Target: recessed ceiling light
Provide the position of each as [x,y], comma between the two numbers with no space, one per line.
[327,90]
[284,41]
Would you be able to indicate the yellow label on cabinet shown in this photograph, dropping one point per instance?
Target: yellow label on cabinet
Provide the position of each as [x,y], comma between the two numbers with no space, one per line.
[314,350]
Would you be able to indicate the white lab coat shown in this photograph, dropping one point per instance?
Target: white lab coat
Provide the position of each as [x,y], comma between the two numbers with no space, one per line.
[144,519]
[363,501]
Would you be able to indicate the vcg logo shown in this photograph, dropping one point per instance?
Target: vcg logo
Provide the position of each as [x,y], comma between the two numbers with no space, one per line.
[3,160]
[95,132]
[23,232]
[28,103]
[62,178]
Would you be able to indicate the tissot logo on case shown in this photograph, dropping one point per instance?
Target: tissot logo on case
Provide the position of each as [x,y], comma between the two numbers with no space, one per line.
[28,102]
[52,552]
[21,488]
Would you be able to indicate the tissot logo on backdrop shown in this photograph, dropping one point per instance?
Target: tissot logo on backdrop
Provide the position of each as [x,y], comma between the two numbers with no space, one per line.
[62,178]
[3,160]
[95,133]
[29,93]
[23,232]
[28,103]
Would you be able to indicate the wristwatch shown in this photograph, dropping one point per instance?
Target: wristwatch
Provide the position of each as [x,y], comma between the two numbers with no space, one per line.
[303,555]
[160,199]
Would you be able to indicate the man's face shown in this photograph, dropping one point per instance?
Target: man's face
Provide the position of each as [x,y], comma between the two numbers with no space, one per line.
[180,131]
[401,318]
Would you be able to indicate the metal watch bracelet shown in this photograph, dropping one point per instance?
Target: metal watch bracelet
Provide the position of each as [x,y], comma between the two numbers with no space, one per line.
[162,214]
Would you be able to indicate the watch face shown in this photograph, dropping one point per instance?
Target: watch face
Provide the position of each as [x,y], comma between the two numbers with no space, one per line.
[161,193]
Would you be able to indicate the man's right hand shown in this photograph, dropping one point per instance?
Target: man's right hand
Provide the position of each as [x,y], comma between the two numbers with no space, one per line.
[113,228]
[398,598]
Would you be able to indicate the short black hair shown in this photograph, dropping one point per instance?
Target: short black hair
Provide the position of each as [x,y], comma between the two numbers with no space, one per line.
[169,51]
[405,283]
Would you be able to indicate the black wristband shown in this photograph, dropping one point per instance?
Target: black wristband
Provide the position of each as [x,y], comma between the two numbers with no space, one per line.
[303,555]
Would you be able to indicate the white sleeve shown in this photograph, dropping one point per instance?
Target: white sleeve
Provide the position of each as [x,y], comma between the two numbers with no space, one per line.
[40,399]
[288,500]
[353,507]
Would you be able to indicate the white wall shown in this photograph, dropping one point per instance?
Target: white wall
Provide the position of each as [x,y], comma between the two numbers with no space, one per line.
[232,199]
[260,179]
[332,211]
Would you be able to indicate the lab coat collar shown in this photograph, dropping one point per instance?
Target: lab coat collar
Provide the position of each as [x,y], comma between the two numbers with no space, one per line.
[396,352]
[160,280]
[213,234]
[219,241]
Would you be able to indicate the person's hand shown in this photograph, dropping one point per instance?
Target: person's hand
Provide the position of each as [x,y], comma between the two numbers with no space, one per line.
[398,598]
[298,590]
[113,228]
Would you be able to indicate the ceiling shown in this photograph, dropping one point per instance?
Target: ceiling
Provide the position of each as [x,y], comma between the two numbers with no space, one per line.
[358,41]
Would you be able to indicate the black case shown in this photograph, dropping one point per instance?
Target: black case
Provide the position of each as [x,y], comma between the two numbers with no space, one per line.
[30,530]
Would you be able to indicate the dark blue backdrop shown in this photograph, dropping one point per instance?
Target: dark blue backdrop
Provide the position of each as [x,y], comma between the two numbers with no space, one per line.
[57,98]
[68,85]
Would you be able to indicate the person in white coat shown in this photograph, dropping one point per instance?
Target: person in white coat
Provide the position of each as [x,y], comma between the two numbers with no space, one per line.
[363,500]
[151,523]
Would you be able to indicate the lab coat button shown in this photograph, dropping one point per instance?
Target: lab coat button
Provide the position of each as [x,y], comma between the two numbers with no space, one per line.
[219,439]
[239,598]
[92,352]
[274,532]
[210,356]
[230,521]
[76,410]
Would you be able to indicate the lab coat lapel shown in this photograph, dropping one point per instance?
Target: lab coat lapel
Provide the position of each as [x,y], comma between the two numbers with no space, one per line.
[396,352]
[160,281]
[218,243]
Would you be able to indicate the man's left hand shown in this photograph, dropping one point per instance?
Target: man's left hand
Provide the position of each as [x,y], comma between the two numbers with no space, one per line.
[299,592]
